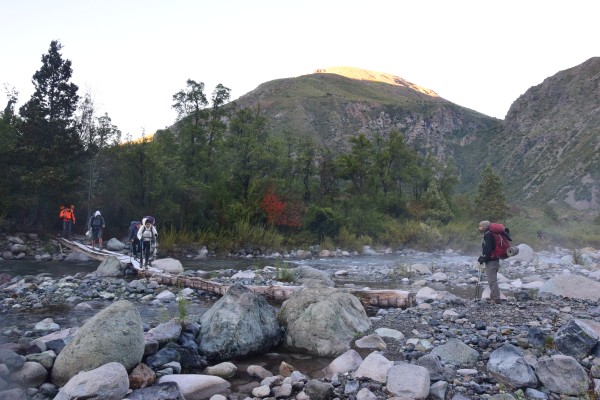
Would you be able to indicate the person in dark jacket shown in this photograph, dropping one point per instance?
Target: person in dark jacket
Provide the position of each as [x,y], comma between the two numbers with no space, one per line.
[492,264]
[96,225]
[133,239]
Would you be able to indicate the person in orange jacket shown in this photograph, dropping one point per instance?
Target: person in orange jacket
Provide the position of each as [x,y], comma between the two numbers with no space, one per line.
[67,215]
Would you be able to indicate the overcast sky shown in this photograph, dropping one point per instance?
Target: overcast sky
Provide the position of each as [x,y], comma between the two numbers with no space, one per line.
[132,56]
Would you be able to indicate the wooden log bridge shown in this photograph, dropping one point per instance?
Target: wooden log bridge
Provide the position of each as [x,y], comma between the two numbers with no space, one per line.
[376,298]
[369,297]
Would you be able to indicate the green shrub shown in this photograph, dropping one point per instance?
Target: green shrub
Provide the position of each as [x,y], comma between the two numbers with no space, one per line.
[283,273]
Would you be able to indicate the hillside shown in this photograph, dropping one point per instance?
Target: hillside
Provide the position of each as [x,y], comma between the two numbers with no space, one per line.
[332,107]
[545,150]
[551,140]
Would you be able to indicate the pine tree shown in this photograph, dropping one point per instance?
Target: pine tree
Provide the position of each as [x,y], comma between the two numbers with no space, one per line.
[49,145]
[490,200]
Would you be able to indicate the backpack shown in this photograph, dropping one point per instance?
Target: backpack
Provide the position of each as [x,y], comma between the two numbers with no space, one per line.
[501,241]
[133,229]
[97,221]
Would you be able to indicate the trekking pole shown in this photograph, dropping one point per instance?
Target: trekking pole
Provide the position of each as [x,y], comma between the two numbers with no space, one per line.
[478,287]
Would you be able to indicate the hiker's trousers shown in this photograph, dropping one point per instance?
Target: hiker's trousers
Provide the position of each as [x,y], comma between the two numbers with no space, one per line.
[491,271]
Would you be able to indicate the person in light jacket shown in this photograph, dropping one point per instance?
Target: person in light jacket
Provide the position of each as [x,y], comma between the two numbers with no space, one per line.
[147,234]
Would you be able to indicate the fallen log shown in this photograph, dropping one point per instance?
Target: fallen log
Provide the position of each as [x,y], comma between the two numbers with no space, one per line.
[368,297]
[374,298]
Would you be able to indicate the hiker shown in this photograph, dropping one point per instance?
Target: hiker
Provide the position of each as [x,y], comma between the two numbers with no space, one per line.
[146,234]
[491,260]
[67,215]
[96,225]
[134,227]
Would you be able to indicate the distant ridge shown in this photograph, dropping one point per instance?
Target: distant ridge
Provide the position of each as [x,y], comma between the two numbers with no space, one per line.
[366,75]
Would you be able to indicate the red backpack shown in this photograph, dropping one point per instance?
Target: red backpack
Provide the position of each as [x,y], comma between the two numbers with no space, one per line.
[501,244]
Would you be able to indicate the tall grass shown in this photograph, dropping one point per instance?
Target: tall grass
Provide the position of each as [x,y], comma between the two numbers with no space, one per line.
[460,234]
[170,237]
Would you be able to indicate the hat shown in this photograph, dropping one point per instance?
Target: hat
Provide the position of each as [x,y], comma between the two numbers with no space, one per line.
[97,213]
[484,224]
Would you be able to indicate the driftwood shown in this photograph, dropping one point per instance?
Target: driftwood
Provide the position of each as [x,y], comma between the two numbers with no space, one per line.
[375,298]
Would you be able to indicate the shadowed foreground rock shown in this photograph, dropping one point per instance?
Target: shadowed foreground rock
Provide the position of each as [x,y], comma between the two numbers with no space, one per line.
[115,334]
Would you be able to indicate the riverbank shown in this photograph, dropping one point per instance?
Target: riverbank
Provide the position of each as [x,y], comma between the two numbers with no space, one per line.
[529,321]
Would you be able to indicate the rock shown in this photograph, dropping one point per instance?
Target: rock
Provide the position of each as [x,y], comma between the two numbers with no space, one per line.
[563,374]
[322,321]
[115,334]
[225,370]
[572,286]
[110,267]
[197,387]
[161,391]
[312,277]
[347,362]
[46,325]
[115,245]
[169,265]
[407,380]
[31,375]
[508,366]
[256,371]
[108,382]
[76,257]
[525,253]
[373,341]
[244,312]
[577,338]
[164,332]
[141,377]
[375,366]
[457,353]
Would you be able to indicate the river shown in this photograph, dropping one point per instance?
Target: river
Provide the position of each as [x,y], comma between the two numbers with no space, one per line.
[362,271]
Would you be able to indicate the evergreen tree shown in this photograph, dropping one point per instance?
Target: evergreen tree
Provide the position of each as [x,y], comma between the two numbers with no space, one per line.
[437,208]
[49,146]
[490,200]
[9,194]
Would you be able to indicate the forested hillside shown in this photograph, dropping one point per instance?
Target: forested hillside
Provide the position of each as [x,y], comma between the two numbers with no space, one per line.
[316,159]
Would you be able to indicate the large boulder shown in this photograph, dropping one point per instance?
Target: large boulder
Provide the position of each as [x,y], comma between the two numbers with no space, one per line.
[115,334]
[563,375]
[508,366]
[169,265]
[577,338]
[312,277]
[571,286]
[322,321]
[110,267]
[525,253]
[115,245]
[239,324]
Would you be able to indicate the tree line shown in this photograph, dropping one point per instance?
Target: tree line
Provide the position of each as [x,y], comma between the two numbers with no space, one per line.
[216,167]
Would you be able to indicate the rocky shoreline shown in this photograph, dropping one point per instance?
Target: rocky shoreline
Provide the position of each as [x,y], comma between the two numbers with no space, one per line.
[542,342]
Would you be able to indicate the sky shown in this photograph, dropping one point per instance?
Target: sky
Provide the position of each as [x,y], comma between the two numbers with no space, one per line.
[132,56]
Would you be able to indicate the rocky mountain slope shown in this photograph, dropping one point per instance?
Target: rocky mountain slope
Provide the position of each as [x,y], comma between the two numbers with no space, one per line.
[545,149]
[551,140]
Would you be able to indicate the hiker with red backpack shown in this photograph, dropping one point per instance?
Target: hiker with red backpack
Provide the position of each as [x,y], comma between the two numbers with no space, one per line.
[494,245]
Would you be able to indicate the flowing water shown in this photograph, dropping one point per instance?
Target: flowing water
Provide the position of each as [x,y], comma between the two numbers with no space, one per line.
[362,273]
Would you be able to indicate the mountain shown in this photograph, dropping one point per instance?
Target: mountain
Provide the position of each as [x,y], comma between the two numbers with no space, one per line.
[545,149]
[335,104]
[551,140]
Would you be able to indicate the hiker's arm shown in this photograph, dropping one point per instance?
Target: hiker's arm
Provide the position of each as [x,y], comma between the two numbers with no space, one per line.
[488,246]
